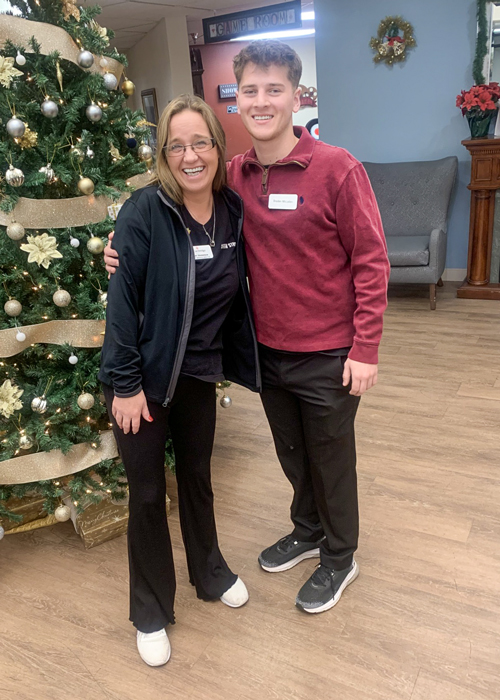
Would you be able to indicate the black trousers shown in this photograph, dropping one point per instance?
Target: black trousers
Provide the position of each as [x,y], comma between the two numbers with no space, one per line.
[312,421]
[191,421]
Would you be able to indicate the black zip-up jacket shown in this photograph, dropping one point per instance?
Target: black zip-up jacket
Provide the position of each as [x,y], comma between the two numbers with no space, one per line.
[151,296]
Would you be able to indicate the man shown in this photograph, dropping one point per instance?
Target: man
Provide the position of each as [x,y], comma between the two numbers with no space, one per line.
[318,273]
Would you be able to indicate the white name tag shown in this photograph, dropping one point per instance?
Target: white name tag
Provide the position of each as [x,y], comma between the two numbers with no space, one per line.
[283,201]
[203,252]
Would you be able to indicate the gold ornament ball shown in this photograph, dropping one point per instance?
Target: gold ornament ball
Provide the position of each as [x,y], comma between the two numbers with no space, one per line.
[103,298]
[85,401]
[61,298]
[25,442]
[15,231]
[128,87]
[145,152]
[85,185]
[12,307]
[95,245]
[62,513]
[149,162]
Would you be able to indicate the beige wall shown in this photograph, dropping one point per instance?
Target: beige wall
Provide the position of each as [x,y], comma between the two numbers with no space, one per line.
[161,61]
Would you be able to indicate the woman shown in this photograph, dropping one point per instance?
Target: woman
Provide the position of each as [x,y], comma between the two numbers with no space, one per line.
[178,321]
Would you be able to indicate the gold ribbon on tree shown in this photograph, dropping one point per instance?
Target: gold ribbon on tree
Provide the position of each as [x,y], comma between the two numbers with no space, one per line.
[51,38]
[66,213]
[78,333]
[43,466]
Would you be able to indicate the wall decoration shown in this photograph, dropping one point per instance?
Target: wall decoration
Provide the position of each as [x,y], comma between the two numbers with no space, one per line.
[312,127]
[394,38]
[308,97]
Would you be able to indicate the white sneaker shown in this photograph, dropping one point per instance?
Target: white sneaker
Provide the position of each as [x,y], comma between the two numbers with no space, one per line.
[236,596]
[154,647]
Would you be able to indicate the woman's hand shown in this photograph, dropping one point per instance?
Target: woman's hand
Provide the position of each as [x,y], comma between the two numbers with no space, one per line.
[128,412]
[110,256]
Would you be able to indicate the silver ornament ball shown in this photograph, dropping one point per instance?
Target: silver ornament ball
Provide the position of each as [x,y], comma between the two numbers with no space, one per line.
[39,404]
[25,442]
[12,307]
[62,514]
[20,59]
[61,298]
[2,533]
[50,175]
[20,337]
[15,231]
[95,245]
[103,298]
[145,152]
[49,109]
[85,59]
[85,401]
[72,359]
[74,242]
[103,62]
[14,176]
[93,112]
[110,81]
[226,401]
[90,153]
[15,127]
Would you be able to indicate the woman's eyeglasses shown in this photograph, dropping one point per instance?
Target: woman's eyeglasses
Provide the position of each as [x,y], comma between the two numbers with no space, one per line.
[177,149]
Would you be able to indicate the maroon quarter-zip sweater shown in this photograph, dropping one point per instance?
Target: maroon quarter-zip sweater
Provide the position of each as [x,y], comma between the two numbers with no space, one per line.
[318,273]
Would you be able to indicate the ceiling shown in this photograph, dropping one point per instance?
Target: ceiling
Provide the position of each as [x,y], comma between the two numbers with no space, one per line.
[131,20]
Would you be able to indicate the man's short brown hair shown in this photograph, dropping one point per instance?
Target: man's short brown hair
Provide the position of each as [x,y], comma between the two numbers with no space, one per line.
[265,53]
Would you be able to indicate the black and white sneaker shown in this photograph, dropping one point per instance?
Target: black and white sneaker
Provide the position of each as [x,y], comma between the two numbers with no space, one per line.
[325,587]
[286,553]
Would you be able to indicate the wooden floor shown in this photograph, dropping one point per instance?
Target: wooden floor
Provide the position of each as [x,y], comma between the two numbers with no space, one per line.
[422,622]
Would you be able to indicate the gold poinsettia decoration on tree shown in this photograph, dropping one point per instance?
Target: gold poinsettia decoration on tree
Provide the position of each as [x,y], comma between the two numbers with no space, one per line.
[42,249]
[9,398]
[70,9]
[28,140]
[7,71]
[102,31]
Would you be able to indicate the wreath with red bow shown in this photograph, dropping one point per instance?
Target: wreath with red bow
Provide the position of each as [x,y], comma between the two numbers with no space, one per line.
[394,38]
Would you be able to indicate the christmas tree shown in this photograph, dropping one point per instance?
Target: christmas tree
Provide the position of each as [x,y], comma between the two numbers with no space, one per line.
[69,150]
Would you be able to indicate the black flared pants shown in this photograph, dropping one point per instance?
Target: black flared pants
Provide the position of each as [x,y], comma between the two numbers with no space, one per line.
[190,420]
[312,421]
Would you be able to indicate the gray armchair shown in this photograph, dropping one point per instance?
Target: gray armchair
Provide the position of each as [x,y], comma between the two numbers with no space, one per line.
[414,199]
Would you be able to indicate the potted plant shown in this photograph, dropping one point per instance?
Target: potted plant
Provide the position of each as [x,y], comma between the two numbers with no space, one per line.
[479,104]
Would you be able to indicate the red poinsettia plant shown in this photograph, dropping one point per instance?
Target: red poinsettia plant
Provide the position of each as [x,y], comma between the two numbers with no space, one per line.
[480,98]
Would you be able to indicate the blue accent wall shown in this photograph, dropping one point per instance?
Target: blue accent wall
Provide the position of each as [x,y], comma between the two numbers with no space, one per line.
[406,111]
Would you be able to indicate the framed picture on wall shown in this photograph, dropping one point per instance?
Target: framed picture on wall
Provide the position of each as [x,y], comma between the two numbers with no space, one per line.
[150,109]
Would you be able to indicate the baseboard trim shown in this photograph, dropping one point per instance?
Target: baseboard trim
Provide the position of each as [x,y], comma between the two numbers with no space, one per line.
[454,274]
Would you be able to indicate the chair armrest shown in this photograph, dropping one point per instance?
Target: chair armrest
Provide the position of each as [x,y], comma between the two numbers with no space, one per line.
[437,251]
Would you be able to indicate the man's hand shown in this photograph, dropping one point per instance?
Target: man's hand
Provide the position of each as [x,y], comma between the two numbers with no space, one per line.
[362,376]
[110,256]
[128,412]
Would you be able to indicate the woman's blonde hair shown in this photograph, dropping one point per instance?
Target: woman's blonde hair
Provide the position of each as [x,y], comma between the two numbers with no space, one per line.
[163,175]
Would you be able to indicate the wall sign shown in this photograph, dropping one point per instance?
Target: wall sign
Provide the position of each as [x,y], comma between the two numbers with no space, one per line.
[228,91]
[255,21]
[232,109]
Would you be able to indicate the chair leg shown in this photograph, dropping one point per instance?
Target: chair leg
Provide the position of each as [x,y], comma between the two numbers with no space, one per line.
[432,295]
[440,282]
